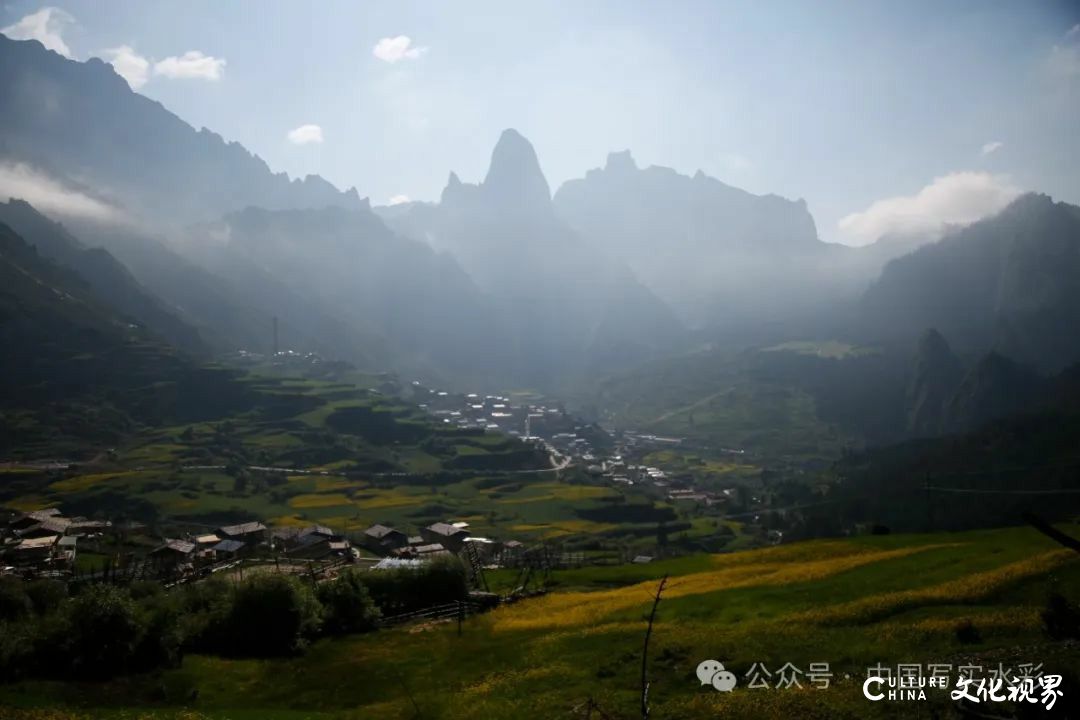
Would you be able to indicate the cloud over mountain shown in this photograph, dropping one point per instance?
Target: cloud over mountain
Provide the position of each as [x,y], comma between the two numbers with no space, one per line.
[46,26]
[958,198]
[306,135]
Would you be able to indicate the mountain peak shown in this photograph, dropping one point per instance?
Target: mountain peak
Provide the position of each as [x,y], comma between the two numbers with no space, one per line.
[620,162]
[514,178]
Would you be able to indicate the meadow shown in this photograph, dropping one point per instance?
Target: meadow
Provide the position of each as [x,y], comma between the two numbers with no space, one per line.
[961,599]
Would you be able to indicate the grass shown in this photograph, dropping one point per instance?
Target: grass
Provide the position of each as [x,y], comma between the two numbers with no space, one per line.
[851,603]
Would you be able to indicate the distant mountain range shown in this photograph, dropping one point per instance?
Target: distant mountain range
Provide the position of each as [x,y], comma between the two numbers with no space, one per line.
[82,123]
[570,307]
[499,282]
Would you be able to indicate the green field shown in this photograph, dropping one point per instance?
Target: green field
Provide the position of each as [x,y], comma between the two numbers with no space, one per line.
[851,603]
[360,458]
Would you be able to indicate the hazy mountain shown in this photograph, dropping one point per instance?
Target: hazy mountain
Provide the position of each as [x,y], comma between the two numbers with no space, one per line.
[933,380]
[1010,283]
[109,279]
[73,370]
[720,256]
[407,305]
[81,123]
[574,308]
[993,388]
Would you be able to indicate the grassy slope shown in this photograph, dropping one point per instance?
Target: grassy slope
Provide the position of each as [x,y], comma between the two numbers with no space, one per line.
[851,603]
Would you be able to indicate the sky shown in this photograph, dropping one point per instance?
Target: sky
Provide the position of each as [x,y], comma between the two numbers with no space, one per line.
[884,116]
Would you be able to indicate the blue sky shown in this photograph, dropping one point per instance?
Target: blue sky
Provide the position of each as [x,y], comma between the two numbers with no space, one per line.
[874,112]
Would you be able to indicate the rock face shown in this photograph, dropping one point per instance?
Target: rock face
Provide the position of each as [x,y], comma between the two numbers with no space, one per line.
[81,122]
[717,254]
[1009,283]
[571,307]
[994,388]
[932,382]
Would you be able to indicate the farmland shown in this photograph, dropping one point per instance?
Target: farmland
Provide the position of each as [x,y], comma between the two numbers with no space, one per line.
[851,603]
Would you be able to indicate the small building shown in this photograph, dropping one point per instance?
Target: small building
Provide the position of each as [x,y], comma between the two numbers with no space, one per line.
[48,526]
[250,532]
[227,549]
[383,539]
[430,551]
[35,550]
[173,553]
[30,519]
[449,536]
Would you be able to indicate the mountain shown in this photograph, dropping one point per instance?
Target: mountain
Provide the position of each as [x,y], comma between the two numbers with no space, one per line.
[718,255]
[935,375]
[73,372]
[81,124]
[995,387]
[402,302]
[1009,283]
[572,308]
[106,276]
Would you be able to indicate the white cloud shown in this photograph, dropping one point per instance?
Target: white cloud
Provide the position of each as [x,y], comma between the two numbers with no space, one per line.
[959,198]
[46,26]
[398,200]
[305,134]
[129,65]
[393,49]
[191,65]
[992,147]
[1074,31]
[22,182]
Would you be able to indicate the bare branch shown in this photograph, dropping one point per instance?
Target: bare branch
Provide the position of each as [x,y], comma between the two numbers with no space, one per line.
[645,651]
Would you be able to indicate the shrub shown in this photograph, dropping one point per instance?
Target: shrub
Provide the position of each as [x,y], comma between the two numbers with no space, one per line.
[102,629]
[14,603]
[46,595]
[272,615]
[347,605]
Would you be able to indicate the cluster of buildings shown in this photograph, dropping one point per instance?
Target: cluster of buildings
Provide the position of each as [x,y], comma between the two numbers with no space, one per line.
[441,538]
[45,540]
[495,413]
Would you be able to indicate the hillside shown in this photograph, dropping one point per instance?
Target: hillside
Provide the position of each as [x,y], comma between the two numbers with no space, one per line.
[1009,283]
[106,276]
[720,256]
[81,121]
[398,301]
[972,598]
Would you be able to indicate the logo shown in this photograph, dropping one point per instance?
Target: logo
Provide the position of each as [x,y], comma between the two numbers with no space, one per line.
[712,672]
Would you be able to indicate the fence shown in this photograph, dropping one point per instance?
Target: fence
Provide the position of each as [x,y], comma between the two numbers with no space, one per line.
[447,611]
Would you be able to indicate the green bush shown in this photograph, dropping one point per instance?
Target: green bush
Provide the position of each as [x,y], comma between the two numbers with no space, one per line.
[272,615]
[14,603]
[347,605]
[102,631]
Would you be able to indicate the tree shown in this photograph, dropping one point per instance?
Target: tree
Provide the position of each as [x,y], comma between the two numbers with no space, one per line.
[272,615]
[102,629]
[347,605]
